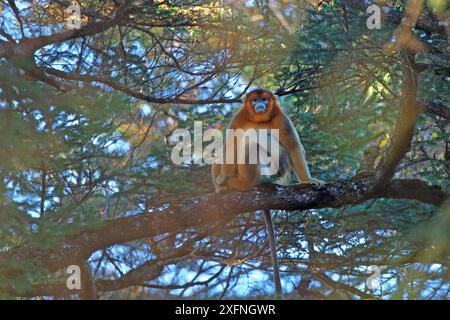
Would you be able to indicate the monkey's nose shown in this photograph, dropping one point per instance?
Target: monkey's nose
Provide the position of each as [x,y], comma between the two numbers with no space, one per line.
[260,107]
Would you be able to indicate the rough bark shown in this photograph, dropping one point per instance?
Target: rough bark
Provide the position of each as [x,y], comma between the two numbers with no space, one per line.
[211,209]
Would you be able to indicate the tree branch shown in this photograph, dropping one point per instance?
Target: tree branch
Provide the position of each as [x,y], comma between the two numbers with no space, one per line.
[27,46]
[403,133]
[220,208]
[138,95]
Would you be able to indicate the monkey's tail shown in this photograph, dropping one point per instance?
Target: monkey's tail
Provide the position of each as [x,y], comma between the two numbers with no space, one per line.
[273,253]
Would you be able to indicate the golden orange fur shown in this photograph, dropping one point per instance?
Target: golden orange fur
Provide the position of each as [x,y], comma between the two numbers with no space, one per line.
[244,177]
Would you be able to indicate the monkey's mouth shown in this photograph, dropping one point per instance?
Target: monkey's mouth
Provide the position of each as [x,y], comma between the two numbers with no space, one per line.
[260,108]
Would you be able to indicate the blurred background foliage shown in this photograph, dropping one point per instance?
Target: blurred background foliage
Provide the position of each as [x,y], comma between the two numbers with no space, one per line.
[89,141]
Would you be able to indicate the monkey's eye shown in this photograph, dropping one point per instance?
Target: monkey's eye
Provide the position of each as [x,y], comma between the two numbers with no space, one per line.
[255,100]
[264,100]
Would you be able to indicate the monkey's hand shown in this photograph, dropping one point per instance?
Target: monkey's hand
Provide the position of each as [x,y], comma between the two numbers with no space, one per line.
[315,182]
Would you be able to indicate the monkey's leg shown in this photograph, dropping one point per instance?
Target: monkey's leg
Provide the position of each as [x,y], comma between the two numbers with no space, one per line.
[229,169]
[273,253]
[221,172]
[246,179]
[218,180]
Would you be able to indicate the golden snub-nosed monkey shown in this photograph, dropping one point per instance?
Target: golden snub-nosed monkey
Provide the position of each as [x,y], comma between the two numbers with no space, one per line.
[261,111]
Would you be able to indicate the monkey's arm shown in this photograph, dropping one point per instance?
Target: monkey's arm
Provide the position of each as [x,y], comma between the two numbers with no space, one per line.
[229,168]
[290,140]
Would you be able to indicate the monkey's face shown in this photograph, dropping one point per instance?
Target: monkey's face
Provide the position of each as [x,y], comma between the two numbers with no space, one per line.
[260,104]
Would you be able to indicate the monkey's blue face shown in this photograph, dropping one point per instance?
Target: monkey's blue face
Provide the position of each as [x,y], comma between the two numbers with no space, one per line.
[260,104]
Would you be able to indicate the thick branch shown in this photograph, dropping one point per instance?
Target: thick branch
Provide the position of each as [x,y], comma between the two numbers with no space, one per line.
[211,209]
[27,46]
[403,134]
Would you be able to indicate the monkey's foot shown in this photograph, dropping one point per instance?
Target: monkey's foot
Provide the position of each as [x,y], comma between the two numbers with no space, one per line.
[222,188]
[315,182]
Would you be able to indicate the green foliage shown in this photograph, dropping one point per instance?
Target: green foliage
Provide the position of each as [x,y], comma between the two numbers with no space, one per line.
[70,160]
